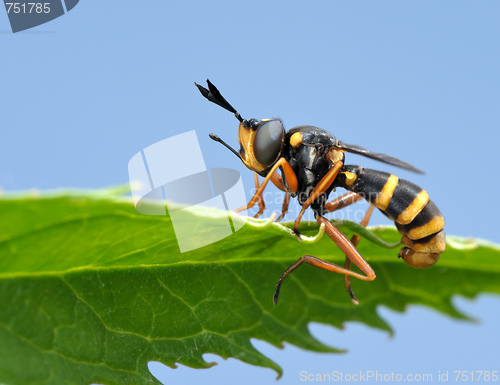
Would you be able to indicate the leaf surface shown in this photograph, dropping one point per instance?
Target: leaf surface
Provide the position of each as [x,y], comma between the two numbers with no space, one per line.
[92,290]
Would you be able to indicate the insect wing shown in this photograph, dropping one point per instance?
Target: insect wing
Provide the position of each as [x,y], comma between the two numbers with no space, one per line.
[352,148]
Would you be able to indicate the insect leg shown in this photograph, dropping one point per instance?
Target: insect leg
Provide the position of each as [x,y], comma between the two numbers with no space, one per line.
[278,182]
[355,240]
[342,201]
[347,248]
[284,208]
[288,174]
[262,205]
[320,188]
[337,204]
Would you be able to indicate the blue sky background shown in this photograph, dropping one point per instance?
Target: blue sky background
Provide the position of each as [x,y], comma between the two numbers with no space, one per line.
[82,94]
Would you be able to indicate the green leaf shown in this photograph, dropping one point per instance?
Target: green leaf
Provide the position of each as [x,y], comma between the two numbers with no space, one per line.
[92,290]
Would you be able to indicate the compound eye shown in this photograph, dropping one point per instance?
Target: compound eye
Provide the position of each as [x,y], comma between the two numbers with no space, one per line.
[268,142]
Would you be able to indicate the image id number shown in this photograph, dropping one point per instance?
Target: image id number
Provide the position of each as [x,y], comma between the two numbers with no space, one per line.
[476,375]
[28,7]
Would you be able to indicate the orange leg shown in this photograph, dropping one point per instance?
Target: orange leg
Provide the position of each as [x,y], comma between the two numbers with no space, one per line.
[278,182]
[320,188]
[284,208]
[262,205]
[342,201]
[339,203]
[347,248]
[288,174]
[355,240]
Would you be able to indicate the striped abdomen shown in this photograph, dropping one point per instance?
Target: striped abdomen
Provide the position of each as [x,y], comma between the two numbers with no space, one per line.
[417,218]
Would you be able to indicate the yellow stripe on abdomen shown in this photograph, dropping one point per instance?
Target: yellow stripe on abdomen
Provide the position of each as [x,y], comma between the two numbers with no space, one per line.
[414,208]
[384,197]
[435,225]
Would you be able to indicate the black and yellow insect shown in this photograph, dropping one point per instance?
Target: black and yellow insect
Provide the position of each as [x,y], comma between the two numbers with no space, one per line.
[312,163]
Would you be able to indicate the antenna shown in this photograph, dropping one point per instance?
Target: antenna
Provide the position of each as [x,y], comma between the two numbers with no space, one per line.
[217,139]
[214,96]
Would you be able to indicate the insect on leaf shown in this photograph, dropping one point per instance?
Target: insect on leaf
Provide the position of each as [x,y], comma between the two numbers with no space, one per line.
[91,290]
